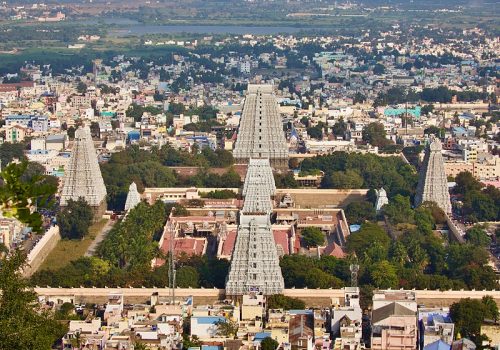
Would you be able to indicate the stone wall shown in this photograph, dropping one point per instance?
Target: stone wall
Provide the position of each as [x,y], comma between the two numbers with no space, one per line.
[41,250]
[312,297]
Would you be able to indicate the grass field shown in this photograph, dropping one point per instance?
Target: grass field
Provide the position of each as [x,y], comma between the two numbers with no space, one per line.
[69,250]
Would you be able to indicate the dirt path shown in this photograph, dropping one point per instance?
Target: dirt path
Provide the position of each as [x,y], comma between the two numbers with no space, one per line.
[99,238]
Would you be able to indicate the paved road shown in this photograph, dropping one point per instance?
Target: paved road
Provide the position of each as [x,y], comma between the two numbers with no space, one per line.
[93,246]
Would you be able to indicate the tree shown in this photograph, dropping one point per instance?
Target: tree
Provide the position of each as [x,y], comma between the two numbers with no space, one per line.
[269,343]
[427,109]
[10,151]
[81,87]
[24,324]
[379,69]
[346,179]
[20,194]
[468,315]
[315,132]
[399,210]
[71,132]
[478,236]
[383,275]
[280,301]
[433,130]
[140,346]
[465,182]
[374,133]
[369,235]
[312,237]
[358,212]
[95,129]
[340,128]
[359,98]
[227,328]
[75,219]
[187,276]
[286,180]
[305,121]
[491,307]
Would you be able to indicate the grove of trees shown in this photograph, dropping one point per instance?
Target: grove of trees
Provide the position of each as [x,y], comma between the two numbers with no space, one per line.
[152,169]
[353,170]
[75,219]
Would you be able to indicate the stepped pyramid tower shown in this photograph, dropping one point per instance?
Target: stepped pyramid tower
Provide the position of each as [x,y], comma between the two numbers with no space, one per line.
[433,184]
[260,133]
[82,177]
[255,264]
[133,197]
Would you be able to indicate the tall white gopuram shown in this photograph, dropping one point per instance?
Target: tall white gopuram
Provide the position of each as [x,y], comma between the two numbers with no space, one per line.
[260,133]
[133,197]
[255,263]
[82,177]
[433,184]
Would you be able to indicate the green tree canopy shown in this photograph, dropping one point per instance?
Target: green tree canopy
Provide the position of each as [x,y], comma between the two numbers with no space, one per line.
[21,191]
[269,343]
[478,236]
[465,182]
[346,179]
[358,212]
[75,219]
[312,237]
[340,128]
[468,315]
[227,328]
[315,132]
[24,324]
[368,236]
[383,275]
[399,210]
[280,301]
[374,133]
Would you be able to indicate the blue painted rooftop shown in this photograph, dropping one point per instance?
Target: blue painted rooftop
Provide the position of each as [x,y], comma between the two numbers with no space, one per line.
[437,345]
[399,111]
[208,319]
[300,312]
[459,130]
[19,117]
[210,347]
[261,336]
[354,228]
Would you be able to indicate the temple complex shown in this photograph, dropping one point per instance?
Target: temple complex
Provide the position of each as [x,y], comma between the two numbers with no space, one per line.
[83,177]
[260,133]
[433,184]
[255,264]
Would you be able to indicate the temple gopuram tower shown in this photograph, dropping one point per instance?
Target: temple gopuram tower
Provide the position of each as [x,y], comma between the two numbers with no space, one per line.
[433,183]
[133,197]
[82,177]
[260,133]
[255,263]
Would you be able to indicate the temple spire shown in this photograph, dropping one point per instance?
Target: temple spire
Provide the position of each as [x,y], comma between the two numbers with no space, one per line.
[433,184]
[260,133]
[133,197]
[255,264]
[82,177]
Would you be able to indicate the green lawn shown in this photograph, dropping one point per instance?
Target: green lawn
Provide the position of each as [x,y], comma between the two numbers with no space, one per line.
[68,250]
